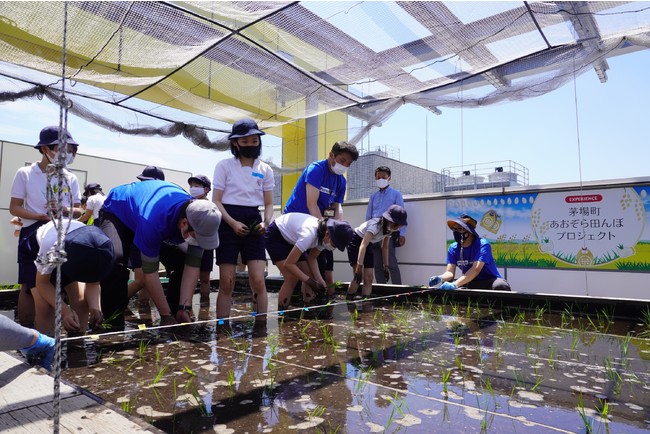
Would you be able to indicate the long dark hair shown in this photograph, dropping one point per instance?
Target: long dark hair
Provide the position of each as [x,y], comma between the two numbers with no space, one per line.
[322,229]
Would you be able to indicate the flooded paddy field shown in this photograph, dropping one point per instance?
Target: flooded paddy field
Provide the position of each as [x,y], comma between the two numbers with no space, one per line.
[412,363]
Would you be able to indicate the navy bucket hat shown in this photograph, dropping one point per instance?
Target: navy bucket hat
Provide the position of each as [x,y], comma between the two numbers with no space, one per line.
[50,136]
[395,214]
[464,221]
[245,127]
[201,179]
[340,233]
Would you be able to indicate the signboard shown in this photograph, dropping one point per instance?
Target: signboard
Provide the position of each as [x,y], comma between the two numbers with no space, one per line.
[571,229]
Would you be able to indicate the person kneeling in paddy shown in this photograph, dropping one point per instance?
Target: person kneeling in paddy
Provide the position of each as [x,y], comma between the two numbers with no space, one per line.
[361,257]
[473,255]
[289,237]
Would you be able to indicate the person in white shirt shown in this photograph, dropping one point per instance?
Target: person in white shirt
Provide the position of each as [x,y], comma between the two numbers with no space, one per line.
[94,201]
[241,185]
[89,258]
[360,252]
[30,194]
[294,241]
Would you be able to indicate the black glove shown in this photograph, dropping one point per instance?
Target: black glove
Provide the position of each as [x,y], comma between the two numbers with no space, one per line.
[386,274]
[315,286]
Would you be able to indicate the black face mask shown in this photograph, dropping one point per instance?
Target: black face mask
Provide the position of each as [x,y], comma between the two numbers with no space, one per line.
[249,151]
[460,237]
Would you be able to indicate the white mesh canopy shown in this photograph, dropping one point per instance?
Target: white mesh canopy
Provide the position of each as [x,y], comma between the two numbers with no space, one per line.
[278,62]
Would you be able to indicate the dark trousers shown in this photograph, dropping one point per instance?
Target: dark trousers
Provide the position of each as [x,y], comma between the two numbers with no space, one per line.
[114,294]
[395,275]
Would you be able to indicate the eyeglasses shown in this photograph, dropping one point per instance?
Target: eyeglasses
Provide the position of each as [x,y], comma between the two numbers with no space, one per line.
[458,229]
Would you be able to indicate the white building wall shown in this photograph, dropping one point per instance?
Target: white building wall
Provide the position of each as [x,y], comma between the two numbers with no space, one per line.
[423,255]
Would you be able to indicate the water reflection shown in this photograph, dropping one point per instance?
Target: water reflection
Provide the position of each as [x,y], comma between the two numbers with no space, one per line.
[372,366]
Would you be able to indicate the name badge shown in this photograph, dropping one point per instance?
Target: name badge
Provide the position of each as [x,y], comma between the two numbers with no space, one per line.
[258,175]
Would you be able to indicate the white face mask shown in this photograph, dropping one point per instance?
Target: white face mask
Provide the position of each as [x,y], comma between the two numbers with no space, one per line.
[69,158]
[339,169]
[197,192]
[382,183]
[192,241]
[329,247]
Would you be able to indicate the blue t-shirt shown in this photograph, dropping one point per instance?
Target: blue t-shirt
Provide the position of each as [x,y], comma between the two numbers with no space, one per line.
[151,210]
[479,250]
[330,185]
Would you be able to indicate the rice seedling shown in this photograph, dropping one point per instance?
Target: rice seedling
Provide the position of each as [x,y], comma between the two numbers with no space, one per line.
[230,381]
[106,325]
[520,318]
[397,408]
[328,338]
[142,349]
[129,406]
[574,340]
[625,345]
[316,412]
[586,420]
[540,311]
[538,382]
[364,375]
[552,356]
[646,322]
[354,317]
[446,374]
[199,403]
[188,371]
[603,408]
[457,338]
[159,375]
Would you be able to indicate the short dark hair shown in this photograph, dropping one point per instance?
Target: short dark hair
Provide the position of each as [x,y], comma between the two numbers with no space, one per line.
[343,146]
[382,169]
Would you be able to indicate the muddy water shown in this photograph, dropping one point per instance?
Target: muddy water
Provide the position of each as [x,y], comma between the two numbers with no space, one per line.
[374,367]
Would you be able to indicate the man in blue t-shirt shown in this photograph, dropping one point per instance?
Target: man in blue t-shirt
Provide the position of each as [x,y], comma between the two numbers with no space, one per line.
[167,226]
[473,255]
[320,191]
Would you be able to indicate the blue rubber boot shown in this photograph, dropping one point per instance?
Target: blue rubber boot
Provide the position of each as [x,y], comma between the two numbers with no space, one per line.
[41,352]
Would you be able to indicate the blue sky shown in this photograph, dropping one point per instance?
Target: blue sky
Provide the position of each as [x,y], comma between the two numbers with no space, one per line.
[607,122]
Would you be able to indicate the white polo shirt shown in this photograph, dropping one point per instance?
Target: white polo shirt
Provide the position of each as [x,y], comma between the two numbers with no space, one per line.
[46,237]
[30,185]
[299,229]
[373,227]
[243,185]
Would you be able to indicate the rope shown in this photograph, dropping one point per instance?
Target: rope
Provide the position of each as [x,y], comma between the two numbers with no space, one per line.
[575,105]
[58,255]
[222,321]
